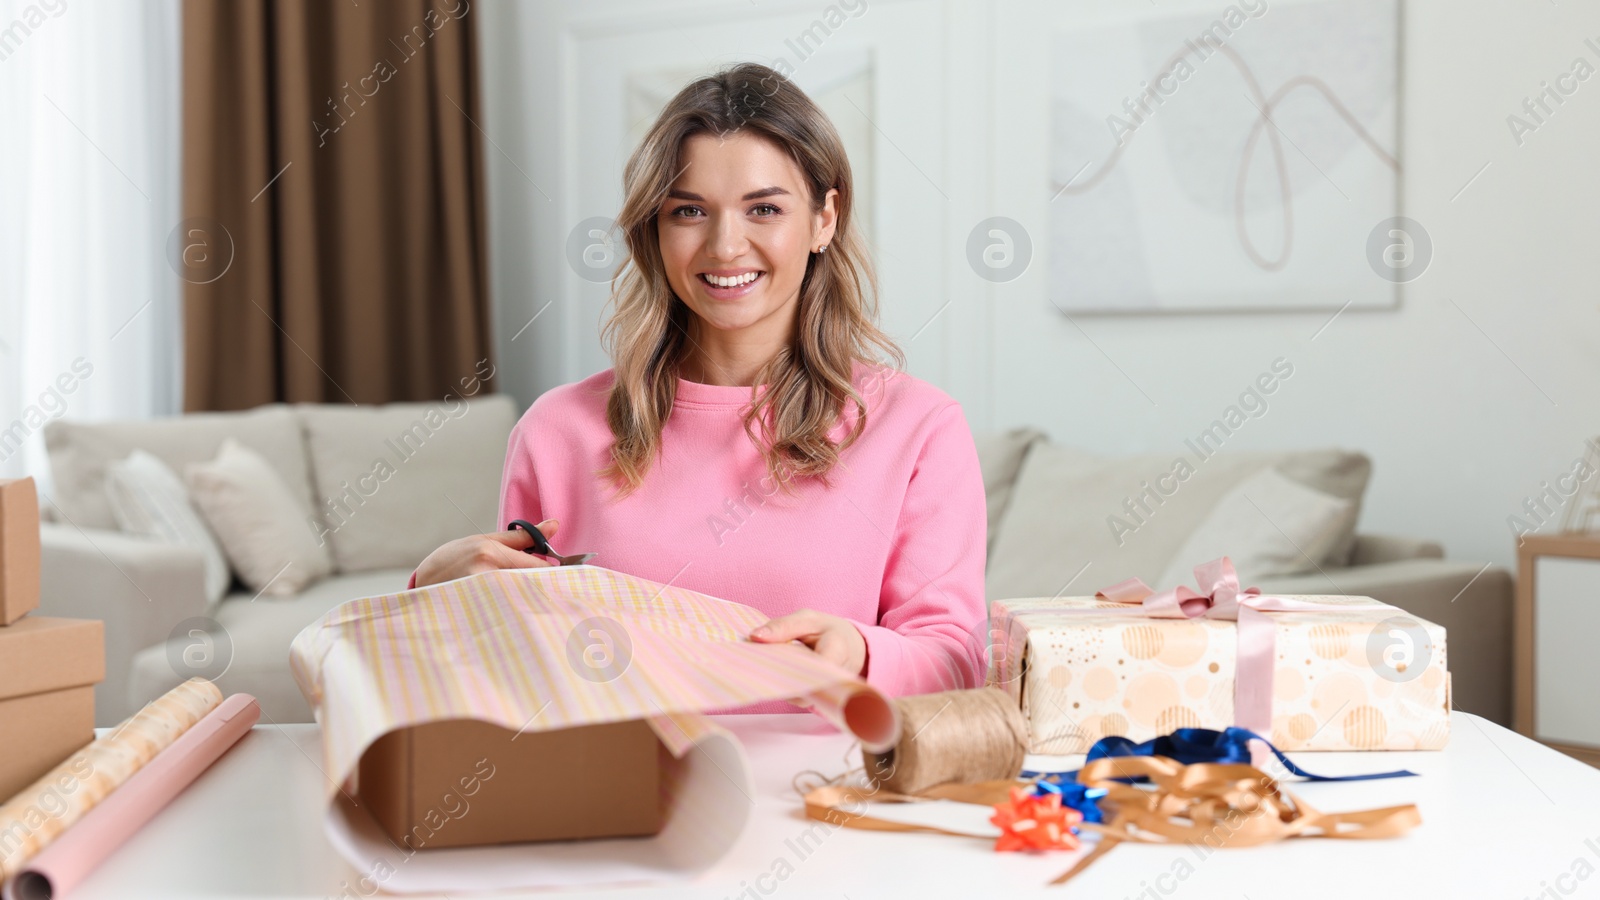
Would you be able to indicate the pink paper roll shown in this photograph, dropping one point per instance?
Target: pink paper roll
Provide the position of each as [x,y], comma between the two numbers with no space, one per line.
[65,863]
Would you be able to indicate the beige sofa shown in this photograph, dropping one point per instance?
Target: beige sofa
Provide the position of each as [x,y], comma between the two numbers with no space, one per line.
[1048,505]
[443,476]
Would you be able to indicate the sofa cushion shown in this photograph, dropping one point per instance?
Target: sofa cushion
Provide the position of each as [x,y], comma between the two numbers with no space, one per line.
[1128,516]
[394,482]
[261,528]
[80,452]
[259,635]
[1000,455]
[1268,525]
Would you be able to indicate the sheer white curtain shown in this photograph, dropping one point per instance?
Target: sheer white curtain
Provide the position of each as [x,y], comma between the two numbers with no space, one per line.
[90,322]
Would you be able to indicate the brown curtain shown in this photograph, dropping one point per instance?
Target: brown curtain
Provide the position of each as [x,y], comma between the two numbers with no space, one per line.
[333,243]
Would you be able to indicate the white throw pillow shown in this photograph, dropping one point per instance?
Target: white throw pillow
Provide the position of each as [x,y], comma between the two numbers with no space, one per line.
[1267,525]
[262,529]
[148,499]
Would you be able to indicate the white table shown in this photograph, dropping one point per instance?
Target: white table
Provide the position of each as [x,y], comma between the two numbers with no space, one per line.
[1503,817]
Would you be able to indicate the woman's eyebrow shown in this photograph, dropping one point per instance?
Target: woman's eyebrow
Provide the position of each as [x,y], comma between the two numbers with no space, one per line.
[753,195]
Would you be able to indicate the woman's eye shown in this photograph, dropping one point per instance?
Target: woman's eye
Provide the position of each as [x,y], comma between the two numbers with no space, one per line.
[772,210]
[680,211]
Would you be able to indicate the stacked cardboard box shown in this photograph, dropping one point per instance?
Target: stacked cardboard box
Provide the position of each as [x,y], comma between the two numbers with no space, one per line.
[48,666]
[19,549]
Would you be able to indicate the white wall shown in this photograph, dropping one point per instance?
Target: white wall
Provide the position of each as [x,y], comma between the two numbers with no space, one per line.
[1462,424]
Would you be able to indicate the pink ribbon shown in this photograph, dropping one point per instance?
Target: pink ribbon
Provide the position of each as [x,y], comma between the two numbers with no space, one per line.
[1222,598]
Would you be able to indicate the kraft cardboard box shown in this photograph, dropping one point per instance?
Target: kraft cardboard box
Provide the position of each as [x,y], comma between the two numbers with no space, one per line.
[19,549]
[48,670]
[467,783]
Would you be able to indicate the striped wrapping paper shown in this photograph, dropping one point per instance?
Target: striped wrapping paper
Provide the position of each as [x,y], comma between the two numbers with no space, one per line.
[555,647]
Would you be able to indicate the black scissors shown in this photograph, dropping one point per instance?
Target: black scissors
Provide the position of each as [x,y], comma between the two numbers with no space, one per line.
[542,547]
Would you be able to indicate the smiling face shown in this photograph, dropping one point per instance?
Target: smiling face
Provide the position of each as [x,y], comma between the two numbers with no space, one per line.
[736,232]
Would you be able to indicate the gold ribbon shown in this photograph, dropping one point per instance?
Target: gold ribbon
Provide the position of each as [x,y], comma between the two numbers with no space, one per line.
[1228,804]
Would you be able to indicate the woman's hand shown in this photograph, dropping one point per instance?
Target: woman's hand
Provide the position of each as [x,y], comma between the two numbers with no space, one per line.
[833,638]
[483,553]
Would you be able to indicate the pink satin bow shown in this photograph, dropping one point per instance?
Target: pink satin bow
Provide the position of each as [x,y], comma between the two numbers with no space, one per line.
[1220,600]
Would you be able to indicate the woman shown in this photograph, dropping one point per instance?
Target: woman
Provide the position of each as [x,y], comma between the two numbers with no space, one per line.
[727,451]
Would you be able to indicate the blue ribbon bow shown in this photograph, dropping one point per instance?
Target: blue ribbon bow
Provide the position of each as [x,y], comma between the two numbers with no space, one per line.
[1078,796]
[1187,746]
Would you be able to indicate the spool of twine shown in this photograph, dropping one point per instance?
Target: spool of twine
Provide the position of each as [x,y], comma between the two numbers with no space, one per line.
[954,736]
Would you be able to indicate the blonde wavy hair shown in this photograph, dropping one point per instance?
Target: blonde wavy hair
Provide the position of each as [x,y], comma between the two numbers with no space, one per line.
[647,334]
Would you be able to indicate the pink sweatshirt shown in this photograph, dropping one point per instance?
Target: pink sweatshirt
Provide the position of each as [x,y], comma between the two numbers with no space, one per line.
[897,545]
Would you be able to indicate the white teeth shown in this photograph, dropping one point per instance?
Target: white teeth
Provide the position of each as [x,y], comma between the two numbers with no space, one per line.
[735,281]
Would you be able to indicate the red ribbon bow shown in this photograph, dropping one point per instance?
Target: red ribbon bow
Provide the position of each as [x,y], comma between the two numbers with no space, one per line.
[1030,821]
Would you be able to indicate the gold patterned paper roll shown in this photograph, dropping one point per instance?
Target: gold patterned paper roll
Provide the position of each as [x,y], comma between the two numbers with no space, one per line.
[41,811]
